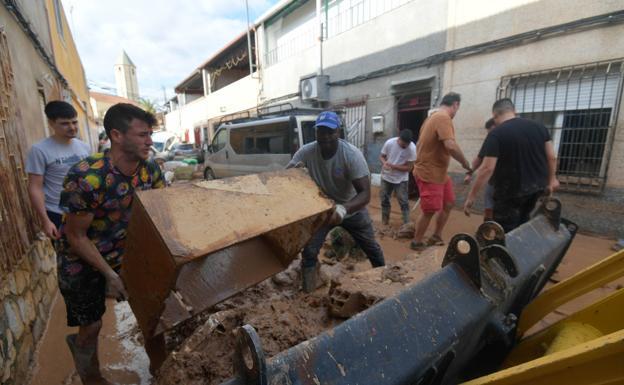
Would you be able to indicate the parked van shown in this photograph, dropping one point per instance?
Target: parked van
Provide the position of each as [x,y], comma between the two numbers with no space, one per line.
[257,145]
[163,142]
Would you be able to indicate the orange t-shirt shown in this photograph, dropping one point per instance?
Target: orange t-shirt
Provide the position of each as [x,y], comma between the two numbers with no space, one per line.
[432,158]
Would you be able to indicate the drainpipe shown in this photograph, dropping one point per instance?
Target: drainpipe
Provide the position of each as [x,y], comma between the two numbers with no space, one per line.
[319,23]
[206,82]
[249,40]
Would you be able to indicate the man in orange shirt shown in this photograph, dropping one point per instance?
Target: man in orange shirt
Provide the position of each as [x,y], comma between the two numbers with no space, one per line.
[436,145]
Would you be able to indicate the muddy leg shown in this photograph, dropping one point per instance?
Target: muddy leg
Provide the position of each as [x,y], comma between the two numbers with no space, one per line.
[442,218]
[421,226]
[84,349]
[384,194]
[360,227]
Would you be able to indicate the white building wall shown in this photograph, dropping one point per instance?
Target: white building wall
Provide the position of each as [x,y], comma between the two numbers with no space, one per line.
[288,51]
[240,95]
[358,30]
[478,21]
[477,77]
[406,22]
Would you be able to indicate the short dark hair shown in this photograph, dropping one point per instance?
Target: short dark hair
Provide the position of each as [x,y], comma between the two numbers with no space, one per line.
[58,109]
[120,115]
[406,135]
[503,105]
[490,123]
[450,98]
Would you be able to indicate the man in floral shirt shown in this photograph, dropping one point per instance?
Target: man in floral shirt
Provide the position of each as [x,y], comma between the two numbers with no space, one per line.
[97,197]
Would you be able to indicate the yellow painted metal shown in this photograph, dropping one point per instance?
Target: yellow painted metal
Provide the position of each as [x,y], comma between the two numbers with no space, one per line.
[600,361]
[572,334]
[606,316]
[586,347]
[581,283]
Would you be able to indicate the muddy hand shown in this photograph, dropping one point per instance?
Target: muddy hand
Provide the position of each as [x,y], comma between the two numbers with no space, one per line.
[50,230]
[552,187]
[338,215]
[115,288]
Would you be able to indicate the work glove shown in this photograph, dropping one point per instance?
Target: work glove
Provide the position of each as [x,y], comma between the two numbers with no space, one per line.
[338,215]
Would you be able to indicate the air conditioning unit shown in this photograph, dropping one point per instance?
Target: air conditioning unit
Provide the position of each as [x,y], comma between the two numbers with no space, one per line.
[314,88]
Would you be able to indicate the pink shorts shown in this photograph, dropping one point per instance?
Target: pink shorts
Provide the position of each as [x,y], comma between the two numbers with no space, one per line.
[433,196]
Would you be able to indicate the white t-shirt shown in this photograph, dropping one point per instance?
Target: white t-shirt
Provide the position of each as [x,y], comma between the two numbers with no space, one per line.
[53,160]
[398,155]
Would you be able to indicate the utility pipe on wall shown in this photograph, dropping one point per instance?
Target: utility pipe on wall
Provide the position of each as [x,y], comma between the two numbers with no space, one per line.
[249,40]
[319,23]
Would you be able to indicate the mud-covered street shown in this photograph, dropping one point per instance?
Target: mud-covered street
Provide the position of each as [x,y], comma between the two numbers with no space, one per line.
[281,313]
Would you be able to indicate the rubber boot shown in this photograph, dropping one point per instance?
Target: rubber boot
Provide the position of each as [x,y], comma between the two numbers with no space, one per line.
[406,217]
[385,217]
[310,279]
[86,361]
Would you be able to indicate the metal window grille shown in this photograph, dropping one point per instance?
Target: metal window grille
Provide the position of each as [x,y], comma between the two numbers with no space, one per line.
[292,45]
[579,105]
[354,121]
[343,15]
[17,222]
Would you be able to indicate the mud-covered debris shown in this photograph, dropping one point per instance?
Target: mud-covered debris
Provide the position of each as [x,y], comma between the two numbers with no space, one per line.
[354,292]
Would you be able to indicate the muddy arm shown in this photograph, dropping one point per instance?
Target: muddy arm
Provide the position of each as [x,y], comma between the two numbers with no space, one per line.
[362,187]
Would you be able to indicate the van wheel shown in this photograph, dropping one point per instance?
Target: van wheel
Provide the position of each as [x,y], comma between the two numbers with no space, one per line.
[209,174]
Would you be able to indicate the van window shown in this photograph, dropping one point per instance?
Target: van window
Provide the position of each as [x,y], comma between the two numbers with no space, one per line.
[168,143]
[308,131]
[263,139]
[273,138]
[242,140]
[219,140]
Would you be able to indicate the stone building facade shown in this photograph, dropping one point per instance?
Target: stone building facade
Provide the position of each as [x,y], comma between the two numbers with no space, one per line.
[26,295]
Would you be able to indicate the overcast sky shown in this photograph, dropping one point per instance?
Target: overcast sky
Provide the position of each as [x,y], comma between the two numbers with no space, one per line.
[165,39]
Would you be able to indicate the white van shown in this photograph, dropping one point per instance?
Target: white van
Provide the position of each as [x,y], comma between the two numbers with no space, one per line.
[163,142]
[257,145]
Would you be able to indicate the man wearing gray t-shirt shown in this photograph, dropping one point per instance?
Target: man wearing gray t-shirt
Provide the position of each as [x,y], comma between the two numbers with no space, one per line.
[341,172]
[49,161]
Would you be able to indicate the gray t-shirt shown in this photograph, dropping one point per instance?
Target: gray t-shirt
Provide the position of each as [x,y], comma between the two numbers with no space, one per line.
[334,176]
[53,160]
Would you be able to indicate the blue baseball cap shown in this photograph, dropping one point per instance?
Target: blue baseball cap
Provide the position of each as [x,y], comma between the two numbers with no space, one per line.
[328,119]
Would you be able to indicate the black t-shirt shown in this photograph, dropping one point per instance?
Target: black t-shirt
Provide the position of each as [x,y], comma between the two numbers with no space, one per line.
[522,167]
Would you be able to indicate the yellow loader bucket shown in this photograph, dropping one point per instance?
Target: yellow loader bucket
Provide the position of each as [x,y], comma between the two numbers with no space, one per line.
[193,246]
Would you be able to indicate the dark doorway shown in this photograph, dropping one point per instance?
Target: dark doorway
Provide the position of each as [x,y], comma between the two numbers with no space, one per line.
[412,112]
[412,120]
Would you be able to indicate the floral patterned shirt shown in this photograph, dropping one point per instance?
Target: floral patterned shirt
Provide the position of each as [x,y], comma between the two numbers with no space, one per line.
[95,186]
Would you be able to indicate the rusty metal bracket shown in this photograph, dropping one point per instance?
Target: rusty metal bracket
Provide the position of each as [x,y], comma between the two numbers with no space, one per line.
[249,361]
[551,209]
[490,233]
[464,251]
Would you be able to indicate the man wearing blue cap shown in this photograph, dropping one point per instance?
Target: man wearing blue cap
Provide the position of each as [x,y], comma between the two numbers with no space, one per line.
[341,172]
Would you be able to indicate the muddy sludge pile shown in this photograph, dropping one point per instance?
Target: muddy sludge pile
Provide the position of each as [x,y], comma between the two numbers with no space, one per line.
[282,315]
[209,242]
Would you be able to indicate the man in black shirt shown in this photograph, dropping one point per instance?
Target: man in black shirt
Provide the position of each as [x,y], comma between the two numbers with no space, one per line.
[520,158]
